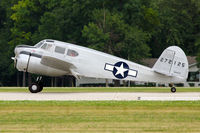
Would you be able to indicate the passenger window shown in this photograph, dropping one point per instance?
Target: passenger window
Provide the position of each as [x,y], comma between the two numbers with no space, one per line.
[72,53]
[60,50]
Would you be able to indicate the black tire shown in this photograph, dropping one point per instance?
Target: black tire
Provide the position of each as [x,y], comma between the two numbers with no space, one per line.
[34,88]
[173,89]
[41,88]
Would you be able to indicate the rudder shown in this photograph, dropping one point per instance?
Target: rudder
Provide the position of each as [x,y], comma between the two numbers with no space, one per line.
[172,62]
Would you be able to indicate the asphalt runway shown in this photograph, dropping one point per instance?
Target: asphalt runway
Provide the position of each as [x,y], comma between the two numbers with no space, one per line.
[105,96]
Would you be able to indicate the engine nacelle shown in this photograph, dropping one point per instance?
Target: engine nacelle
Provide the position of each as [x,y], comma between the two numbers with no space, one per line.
[31,63]
[22,62]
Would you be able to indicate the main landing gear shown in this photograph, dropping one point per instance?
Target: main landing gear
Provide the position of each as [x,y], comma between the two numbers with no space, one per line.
[173,89]
[36,87]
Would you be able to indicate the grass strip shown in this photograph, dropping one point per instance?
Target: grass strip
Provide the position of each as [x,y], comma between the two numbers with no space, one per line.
[99,116]
[102,89]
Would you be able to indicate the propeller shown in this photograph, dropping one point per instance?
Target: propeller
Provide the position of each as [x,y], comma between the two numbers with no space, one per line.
[15,61]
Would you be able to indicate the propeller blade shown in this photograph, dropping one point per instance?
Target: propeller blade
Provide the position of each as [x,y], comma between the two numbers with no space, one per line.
[15,61]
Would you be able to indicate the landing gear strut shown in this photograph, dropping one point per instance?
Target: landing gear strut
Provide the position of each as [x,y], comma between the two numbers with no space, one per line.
[36,87]
[173,89]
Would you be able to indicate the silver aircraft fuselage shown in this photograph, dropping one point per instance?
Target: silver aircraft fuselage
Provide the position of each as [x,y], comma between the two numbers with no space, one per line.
[56,58]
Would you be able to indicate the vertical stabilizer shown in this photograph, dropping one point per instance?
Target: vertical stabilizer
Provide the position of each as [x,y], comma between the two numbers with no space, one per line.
[172,62]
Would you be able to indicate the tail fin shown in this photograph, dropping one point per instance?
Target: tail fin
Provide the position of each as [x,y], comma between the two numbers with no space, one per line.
[172,62]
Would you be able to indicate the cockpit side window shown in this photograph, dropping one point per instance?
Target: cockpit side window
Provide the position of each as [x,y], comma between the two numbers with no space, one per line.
[39,44]
[44,46]
[72,53]
[60,50]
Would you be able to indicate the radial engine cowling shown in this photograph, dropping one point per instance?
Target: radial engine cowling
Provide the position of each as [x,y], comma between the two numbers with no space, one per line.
[22,62]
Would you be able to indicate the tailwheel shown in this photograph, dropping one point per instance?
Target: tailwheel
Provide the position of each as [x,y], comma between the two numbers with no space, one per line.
[173,89]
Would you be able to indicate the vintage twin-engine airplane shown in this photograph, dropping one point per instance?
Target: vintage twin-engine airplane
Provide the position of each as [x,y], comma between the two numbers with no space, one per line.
[56,58]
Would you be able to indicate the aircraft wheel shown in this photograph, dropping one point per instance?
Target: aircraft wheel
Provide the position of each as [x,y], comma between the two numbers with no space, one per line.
[34,88]
[173,89]
[41,87]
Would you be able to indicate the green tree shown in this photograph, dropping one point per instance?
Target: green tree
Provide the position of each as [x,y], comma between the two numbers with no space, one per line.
[136,47]
[131,29]
[7,71]
[26,16]
[179,26]
[66,20]
[109,33]
[105,33]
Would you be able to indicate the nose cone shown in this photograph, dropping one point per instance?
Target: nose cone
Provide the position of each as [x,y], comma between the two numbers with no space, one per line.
[20,60]
[16,51]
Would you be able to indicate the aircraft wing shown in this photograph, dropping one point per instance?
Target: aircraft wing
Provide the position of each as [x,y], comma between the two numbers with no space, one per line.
[56,63]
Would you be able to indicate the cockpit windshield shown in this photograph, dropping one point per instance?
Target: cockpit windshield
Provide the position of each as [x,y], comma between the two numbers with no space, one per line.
[39,44]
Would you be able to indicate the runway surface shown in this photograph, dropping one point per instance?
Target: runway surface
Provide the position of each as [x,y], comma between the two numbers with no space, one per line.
[117,96]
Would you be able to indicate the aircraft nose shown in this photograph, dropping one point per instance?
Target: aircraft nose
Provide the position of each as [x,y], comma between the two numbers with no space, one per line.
[17,49]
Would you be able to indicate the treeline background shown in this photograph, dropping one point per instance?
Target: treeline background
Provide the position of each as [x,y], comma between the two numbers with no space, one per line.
[131,29]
